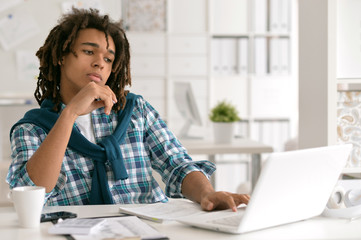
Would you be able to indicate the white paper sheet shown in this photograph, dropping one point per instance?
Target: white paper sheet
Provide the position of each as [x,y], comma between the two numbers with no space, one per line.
[122,227]
[16,28]
[160,212]
[27,65]
[173,210]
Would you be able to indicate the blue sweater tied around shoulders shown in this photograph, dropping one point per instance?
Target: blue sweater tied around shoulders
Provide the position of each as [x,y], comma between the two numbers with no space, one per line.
[105,152]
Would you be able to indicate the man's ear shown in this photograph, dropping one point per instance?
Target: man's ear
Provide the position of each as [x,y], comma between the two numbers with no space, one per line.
[60,62]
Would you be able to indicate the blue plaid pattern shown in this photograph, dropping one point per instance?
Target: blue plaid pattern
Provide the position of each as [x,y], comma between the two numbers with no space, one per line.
[149,145]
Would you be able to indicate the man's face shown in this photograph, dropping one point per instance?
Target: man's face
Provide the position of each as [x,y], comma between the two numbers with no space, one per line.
[91,61]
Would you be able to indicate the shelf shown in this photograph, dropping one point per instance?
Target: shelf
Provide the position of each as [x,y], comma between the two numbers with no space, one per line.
[348,80]
[230,77]
[351,170]
[16,100]
[13,102]
[230,35]
[271,35]
[19,95]
[249,35]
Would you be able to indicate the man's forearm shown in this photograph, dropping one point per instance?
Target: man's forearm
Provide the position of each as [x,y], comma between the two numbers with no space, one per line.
[195,186]
[44,166]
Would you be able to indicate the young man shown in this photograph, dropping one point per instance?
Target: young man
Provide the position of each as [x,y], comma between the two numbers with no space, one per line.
[92,142]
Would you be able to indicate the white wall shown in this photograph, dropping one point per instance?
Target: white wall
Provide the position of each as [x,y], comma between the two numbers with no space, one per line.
[46,14]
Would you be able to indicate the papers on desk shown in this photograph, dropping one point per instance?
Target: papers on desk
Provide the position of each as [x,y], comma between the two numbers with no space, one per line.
[129,227]
[76,226]
[173,210]
[159,212]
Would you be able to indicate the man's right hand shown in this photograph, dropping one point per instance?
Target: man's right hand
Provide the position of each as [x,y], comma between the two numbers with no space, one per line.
[91,97]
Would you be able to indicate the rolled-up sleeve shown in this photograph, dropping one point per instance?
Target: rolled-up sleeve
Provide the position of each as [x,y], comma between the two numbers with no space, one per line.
[25,140]
[169,158]
[174,186]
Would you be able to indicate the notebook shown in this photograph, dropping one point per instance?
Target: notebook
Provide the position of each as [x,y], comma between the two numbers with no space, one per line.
[292,186]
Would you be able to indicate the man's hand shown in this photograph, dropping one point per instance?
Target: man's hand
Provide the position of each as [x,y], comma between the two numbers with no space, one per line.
[223,200]
[196,187]
[91,97]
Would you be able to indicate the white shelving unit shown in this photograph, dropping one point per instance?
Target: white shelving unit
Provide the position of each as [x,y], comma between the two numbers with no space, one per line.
[262,45]
[189,50]
[177,53]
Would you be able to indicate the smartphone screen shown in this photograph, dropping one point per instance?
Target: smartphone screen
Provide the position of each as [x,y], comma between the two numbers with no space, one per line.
[54,216]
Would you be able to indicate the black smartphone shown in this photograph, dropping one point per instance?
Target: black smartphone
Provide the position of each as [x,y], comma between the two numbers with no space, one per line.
[54,216]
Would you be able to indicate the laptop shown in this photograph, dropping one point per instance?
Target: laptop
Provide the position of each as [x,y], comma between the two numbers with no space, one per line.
[292,186]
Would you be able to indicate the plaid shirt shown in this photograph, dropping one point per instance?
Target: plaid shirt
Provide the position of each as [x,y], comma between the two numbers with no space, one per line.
[148,145]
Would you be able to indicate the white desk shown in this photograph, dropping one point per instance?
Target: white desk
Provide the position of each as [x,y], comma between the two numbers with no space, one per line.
[316,228]
[238,146]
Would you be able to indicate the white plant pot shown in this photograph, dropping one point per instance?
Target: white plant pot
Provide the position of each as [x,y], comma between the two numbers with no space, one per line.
[223,132]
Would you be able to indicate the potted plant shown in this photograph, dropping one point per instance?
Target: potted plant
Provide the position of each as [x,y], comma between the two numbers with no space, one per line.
[223,116]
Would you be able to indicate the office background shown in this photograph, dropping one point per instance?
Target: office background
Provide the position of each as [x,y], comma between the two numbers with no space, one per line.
[251,53]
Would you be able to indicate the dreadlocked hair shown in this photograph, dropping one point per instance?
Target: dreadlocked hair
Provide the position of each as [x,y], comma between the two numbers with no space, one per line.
[60,42]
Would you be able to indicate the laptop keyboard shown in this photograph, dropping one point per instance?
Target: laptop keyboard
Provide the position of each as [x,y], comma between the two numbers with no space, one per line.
[229,220]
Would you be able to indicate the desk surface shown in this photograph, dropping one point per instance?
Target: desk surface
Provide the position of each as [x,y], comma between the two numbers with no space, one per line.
[237,146]
[315,228]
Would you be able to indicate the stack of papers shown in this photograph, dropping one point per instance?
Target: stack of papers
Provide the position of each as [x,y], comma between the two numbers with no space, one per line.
[173,210]
[129,227]
[76,226]
[159,212]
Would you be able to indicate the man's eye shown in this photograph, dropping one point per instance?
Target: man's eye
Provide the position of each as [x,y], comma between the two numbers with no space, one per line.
[108,60]
[88,52]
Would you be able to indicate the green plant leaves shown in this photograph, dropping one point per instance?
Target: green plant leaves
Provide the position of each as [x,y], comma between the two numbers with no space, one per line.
[224,112]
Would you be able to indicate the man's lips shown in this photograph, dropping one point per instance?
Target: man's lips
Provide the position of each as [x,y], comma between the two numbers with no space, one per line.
[95,77]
